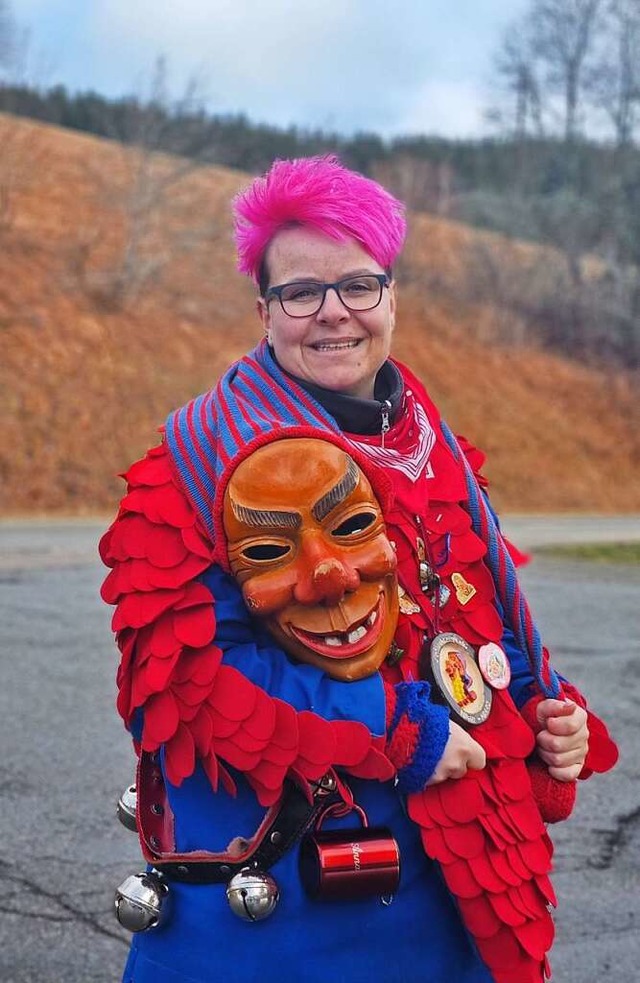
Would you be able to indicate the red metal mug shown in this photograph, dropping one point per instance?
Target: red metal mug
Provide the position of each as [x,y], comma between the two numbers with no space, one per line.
[349,863]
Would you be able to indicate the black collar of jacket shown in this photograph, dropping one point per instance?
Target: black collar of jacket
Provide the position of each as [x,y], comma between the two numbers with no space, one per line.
[355,415]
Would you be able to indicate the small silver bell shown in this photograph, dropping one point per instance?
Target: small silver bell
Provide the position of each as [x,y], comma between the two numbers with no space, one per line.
[252,894]
[141,901]
[126,808]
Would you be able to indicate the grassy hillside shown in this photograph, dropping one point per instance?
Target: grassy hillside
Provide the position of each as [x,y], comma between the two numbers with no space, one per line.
[85,382]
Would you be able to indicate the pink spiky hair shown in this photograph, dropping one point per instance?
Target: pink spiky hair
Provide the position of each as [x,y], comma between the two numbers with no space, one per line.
[319,192]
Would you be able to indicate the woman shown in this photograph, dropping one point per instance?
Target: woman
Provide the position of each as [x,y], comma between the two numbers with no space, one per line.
[463,772]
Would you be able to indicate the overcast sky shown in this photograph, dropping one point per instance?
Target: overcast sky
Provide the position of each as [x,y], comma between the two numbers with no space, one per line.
[413,66]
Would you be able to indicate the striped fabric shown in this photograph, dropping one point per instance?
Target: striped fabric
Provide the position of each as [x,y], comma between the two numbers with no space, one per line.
[513,601]
[253,399]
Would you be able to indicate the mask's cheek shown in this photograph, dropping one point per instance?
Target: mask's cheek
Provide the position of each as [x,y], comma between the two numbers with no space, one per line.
[268,593]
[374,560]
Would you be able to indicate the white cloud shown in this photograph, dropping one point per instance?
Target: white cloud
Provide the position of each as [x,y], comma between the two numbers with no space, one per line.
[344,64]
[447,108]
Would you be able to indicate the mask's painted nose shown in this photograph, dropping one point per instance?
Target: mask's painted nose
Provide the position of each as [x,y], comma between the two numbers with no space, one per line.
[326,578]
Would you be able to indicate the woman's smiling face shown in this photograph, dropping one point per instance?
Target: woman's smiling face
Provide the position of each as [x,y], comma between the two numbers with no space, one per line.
[335,348]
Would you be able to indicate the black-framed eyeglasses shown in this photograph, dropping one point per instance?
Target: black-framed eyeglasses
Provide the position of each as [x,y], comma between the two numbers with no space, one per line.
[304,298]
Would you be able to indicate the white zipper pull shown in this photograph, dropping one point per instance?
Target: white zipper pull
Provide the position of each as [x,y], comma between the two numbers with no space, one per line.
[385,426]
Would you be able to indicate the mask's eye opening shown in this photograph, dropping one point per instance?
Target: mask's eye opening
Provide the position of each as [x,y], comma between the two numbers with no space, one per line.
[354,524]
[265,551]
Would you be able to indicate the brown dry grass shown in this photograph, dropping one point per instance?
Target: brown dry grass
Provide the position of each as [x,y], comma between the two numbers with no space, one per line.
[84,388]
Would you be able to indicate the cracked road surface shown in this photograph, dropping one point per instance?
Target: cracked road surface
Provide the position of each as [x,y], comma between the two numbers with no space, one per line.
[66,760]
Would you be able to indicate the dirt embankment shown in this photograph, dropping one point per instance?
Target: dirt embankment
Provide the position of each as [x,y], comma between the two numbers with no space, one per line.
[86,380]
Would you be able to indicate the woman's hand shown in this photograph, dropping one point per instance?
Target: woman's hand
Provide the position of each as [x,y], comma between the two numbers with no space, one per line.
[461,752]
[563,741]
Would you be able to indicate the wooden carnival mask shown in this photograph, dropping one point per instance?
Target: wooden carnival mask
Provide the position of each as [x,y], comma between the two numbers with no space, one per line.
[307,544]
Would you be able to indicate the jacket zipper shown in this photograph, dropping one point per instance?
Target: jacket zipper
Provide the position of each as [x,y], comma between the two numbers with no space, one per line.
[385,426]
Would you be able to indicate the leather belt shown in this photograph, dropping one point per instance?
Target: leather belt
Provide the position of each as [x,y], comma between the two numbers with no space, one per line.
[284,824]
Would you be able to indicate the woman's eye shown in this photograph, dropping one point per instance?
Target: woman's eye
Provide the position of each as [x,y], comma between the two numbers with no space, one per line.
[354,524]
[265,551]
[361,286]
[303,291]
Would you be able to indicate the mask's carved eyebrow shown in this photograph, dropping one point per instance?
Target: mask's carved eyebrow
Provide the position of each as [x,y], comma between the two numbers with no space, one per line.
[265,517]
[338,493]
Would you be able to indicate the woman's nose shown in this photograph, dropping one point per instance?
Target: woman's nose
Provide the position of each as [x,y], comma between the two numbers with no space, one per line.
[332,308]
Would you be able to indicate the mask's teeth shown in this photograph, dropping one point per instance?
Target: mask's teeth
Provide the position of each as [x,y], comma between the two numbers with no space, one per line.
[371,620]
[357,634]
[332,640]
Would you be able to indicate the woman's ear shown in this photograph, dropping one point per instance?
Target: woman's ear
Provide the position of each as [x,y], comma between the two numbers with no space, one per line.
[263,313]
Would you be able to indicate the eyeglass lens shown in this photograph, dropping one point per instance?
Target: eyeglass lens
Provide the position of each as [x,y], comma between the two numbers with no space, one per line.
[358,293]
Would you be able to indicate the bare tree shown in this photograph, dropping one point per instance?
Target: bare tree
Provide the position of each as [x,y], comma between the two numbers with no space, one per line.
[563,36]
[7,32]
[422,184]
[518,70]
[145,196]
[614,82]
[20,144]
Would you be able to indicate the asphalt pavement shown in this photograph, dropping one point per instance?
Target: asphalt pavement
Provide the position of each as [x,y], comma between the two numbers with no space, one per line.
[66,758]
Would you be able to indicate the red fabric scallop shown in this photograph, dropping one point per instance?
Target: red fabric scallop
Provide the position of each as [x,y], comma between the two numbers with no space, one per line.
[233,696]
[159,672]
[353,740]
[234,755]
[504,870]
[161,720]
[375,766]
[317,737]
[194,626]
[269,775]
[261,723]
[180,755]
[480,625]
[466,548]
[435,844]
[162,504]
[480,918]
[137,610]
[202,730]
[222,726]
[462,881]
[492,872]
[505,910]
[286,734]
[461,801]
[152,470]
[474,456]
[197,543]
[464,840]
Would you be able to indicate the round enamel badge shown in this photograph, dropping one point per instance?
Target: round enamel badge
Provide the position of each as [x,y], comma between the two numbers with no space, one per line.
[494,665]
[458,678]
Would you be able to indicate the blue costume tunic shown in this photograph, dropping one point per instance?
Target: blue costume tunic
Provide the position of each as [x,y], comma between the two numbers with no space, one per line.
[418,936]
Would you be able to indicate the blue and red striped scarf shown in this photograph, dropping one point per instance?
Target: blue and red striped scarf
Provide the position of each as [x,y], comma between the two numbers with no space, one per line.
[255,402]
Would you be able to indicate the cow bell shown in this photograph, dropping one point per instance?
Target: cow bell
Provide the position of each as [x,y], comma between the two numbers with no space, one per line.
[141,901]
[126,808]
[252,894]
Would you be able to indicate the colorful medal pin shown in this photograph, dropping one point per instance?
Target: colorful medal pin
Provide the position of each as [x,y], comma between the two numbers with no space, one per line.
[458,678]
[464,590]
[494,665]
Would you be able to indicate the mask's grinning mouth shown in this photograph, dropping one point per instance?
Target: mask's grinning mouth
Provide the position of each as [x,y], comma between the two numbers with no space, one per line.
[344,645]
